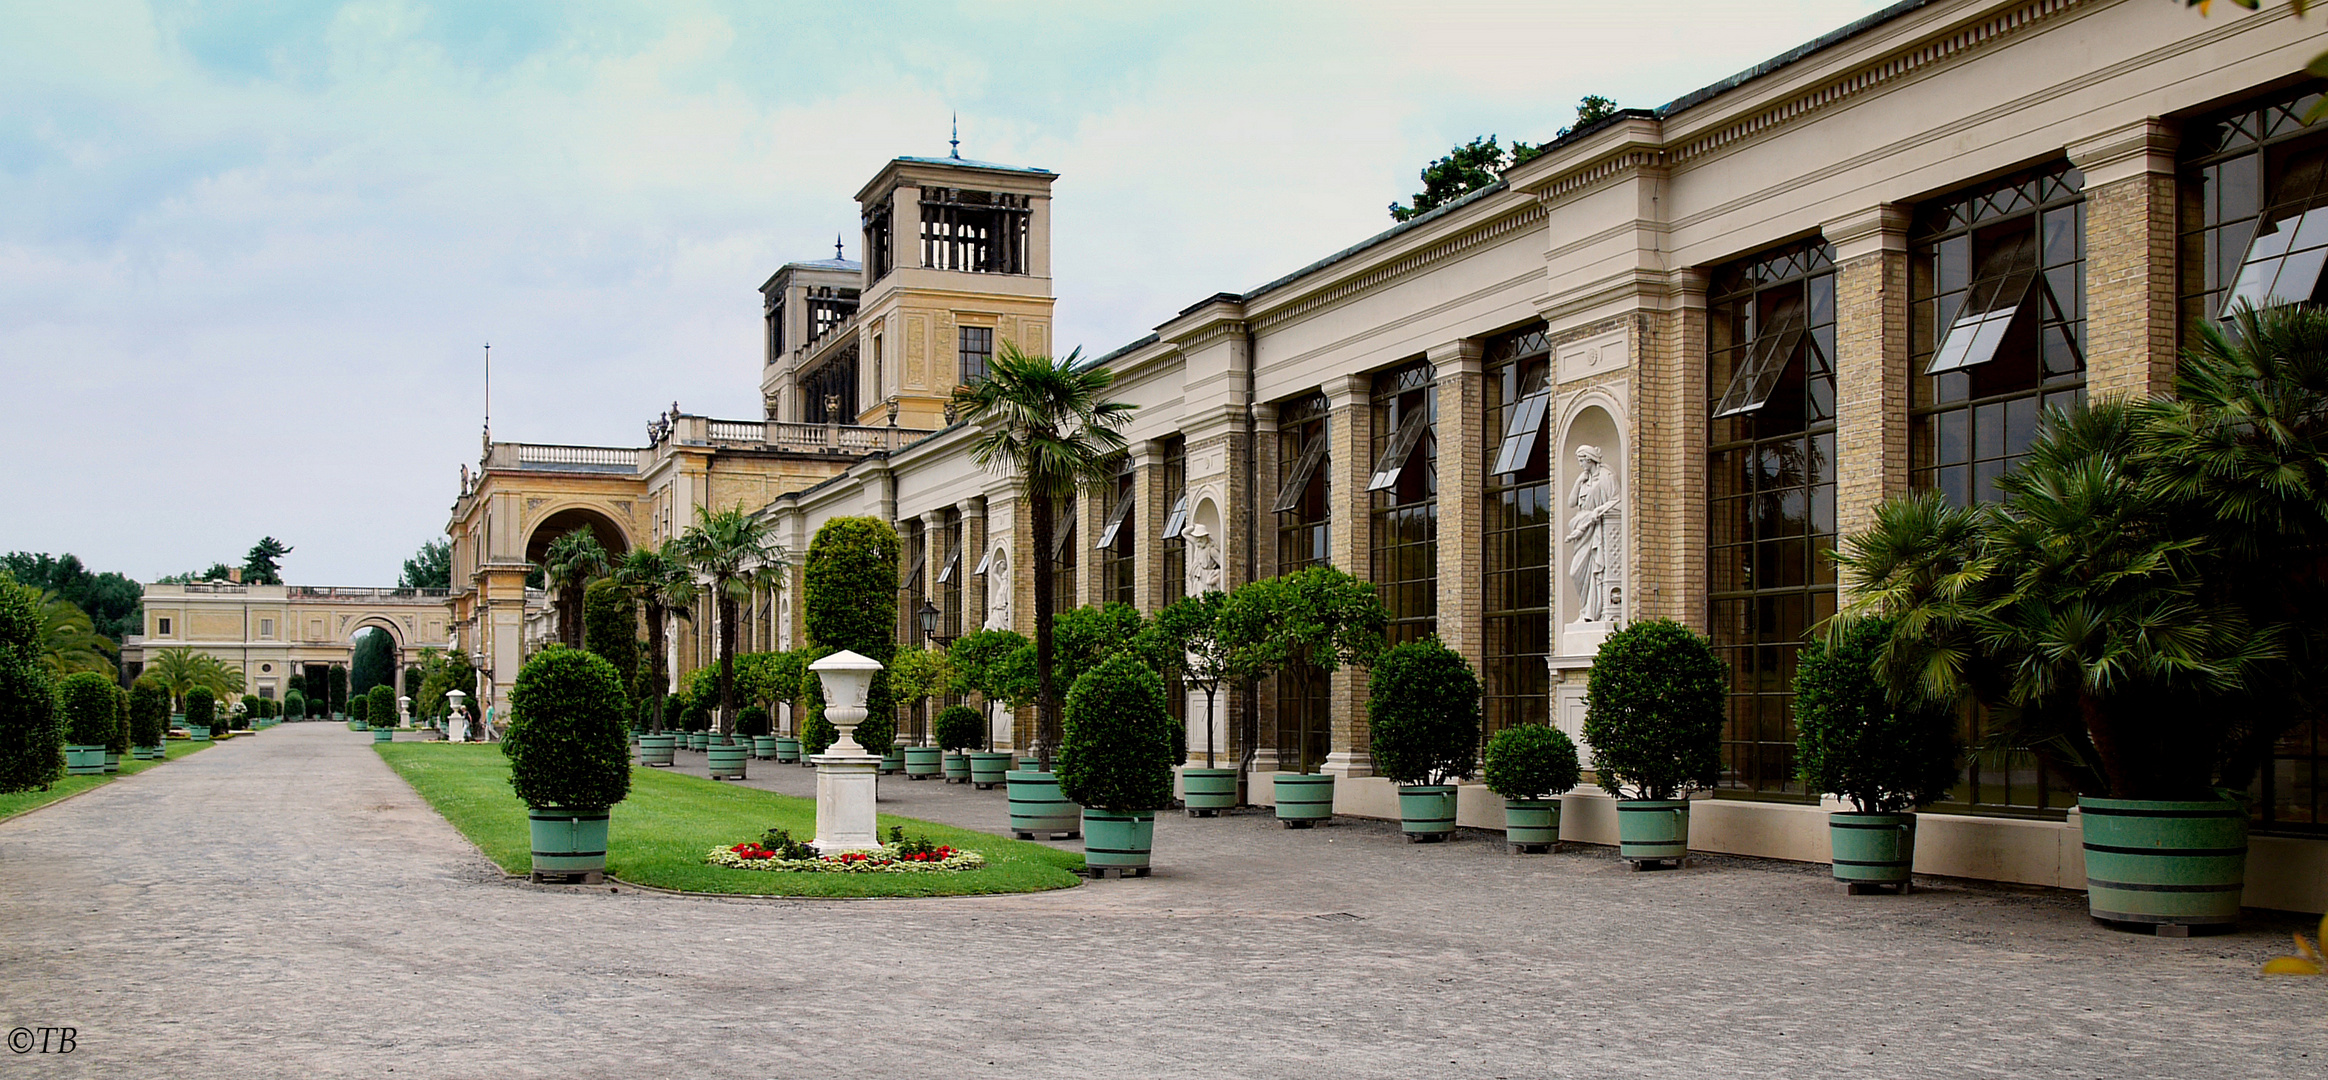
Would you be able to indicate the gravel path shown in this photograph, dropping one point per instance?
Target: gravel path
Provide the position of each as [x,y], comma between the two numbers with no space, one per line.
[285,906]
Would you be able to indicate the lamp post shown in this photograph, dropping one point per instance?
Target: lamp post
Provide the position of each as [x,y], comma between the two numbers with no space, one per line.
[845,773]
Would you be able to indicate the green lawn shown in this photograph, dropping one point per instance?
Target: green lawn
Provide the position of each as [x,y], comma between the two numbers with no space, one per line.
[660,834]
[22,801]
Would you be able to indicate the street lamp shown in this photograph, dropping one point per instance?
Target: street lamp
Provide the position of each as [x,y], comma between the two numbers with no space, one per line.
[929,620]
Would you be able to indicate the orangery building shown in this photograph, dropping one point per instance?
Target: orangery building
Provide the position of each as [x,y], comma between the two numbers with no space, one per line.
[1655,371]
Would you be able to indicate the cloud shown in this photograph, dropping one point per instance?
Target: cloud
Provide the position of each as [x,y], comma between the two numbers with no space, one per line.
[249,253]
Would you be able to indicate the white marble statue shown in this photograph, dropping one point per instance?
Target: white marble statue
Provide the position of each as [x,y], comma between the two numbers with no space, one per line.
[1595,544]
[998,592]
[1204,561]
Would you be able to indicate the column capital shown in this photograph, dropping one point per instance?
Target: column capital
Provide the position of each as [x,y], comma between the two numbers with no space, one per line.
[1346,391]
[971,508]
[1147,453]
[1461,356]
[2141,148]
[1878,229]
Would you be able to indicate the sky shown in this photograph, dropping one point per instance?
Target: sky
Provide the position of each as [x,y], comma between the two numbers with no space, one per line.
[250,252]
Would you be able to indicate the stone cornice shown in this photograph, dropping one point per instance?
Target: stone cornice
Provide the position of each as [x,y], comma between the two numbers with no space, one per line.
[1411,262]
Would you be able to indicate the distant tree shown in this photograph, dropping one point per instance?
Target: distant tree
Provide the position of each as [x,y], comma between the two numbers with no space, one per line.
[183,670]
[263,565]
[109,599]
[336,687]
[218,572]
[610,628]
[429,568]
[572,562]
[738,552]
[659,577]
[374,663]
[1471,166]
[412,677]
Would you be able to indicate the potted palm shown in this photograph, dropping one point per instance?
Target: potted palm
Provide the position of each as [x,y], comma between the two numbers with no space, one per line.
[149,718]
[1185,638]
[1531,766]
[664,586]
[200,707]
[1303,626]
[1115,761]
[569,759]
[1653,717]
[958,730]
[1853,740]
[1423,730]
[85,704]
[2142,611]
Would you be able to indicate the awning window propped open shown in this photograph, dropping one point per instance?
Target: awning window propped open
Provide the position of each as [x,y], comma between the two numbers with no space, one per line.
[1773,348]
[1401,447]
[1304,467]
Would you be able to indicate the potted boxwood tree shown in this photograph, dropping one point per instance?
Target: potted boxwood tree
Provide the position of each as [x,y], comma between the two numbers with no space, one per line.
[959,730]
[1303,626]
[1531,766]
[1184,638]
[31,738]
[569,759]
[1423,729]
[200,707]
[85,704]
[380,712]
[149,718]
[1115,761]
[1887,757]
[1653,717]
[358,707]
[980,660]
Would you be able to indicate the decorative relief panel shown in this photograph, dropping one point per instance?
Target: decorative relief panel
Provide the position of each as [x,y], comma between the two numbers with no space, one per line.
[1593,356]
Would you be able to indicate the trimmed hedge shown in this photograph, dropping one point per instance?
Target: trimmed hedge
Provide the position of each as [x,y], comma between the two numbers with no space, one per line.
[1423,714]
[149,712]
[1119,745]
[85,702]
[1531,761]
[359,710]
[1852,740]
[1653,711]
[959,727]
[380,704]
[566,744]
[849,597]
[32,743]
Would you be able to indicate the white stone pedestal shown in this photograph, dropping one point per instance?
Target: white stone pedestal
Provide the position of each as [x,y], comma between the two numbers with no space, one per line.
[844,803]
[1583,638]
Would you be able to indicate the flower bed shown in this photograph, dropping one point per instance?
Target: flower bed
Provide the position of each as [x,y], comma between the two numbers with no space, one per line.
[886,859]
[900,855]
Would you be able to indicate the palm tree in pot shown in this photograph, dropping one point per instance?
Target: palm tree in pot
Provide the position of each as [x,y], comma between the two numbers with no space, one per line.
[737,552]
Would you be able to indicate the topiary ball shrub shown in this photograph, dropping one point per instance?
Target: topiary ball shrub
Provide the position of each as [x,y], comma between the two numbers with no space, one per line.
[1119,745]
[1853,740]
[32,742]
[359,709]
[1423,714]
[959,727]
[201,707]
[566,744]
[1531,761]
[85,704]
[752,720]
[380,704]
[698,716]
[149,712]
[1653,711]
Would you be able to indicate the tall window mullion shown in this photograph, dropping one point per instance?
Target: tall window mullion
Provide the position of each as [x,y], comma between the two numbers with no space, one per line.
[1770,496]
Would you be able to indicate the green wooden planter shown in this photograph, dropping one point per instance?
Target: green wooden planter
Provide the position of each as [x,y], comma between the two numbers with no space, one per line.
[655,750]
[956,768]
[1873,849]
[787,748]
[85,760]
[988,768]
[764,747]
[1653,831]
[2171,865]
[383,735]
[112,762]
[1426,812]
[567,842]
[358,725]
[726,759]
[1303,799]
[1118,841]
[1532,824]
[147,753]
[1038,806]
[893,760]
[197,732]
[699,741]
[922,762]
[1207,792]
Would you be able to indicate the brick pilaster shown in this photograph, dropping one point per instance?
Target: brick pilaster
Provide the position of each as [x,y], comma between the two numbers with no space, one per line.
[2131,329]
[1871,363]
[1349,459]
[1456,370]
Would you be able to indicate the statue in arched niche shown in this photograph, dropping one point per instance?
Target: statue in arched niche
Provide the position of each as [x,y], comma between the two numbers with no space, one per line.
[1204,561]
[1594,541]
[998,590]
